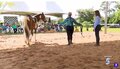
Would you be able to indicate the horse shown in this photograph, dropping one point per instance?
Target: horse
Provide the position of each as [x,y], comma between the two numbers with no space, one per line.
[30,24]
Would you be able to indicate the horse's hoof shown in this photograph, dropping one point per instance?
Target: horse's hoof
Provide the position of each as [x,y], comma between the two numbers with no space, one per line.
[27,43]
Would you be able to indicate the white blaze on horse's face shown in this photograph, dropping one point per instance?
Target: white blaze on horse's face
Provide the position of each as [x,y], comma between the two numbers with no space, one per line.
[40,17]
[41,21]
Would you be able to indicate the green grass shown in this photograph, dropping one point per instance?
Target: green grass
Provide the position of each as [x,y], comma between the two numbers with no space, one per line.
[108,29]
[111,30]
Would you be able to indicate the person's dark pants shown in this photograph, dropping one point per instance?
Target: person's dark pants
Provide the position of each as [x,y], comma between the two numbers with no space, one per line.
[69,30]
[97,29]
[15,30]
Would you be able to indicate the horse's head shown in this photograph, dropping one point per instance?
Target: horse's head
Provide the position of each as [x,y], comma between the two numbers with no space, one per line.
[40,17]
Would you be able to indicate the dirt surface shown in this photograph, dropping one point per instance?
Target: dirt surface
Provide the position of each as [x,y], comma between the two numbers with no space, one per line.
[50,51]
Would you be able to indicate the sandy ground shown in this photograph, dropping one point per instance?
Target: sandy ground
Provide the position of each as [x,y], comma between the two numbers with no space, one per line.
[51,51]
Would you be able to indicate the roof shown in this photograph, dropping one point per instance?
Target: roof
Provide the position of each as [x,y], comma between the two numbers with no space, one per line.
[30,13]
[18,12]
[23,8]
[55,14]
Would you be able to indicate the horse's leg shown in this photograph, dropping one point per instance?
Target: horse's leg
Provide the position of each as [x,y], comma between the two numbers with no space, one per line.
[36,26]
[31,34]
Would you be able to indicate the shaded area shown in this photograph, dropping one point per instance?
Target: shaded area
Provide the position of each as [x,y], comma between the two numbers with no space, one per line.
[55,56]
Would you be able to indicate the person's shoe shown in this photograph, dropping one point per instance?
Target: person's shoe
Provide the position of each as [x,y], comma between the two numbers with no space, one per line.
[69,43]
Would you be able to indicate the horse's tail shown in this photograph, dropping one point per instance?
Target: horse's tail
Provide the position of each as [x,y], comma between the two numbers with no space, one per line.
[26,29]
[27,34]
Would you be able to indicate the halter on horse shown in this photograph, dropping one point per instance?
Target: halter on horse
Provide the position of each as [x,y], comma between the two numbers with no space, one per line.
[30,24]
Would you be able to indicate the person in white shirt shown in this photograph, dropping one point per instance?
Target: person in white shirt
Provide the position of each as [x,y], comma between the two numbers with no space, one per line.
[97,27]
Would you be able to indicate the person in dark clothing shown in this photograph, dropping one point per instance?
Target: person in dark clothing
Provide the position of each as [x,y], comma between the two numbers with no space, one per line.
[97,27]
[68,22]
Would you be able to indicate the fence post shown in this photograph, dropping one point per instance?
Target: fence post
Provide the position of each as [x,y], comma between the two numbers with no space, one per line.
[106,10]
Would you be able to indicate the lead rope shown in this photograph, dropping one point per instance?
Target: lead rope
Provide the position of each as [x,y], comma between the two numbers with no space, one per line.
[81,30]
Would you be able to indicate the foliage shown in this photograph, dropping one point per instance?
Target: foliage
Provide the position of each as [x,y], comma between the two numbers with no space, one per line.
[86,24]
[117,6]
[85,15]
[113,12]
[60,20]
[110,3]
[115,17]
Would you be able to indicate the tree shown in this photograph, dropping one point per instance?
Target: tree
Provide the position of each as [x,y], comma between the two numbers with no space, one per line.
[85,15]
[87,25]
[110,8]
[113,6]
[117,6]
[116,17]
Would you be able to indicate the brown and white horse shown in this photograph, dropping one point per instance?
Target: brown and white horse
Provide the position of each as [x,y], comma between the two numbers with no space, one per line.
[30,24]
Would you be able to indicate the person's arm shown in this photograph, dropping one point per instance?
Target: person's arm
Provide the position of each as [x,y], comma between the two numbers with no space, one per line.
[77,23]
[62,23]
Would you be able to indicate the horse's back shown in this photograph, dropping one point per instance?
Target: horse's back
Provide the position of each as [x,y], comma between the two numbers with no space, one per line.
[27,22]
[24,20]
